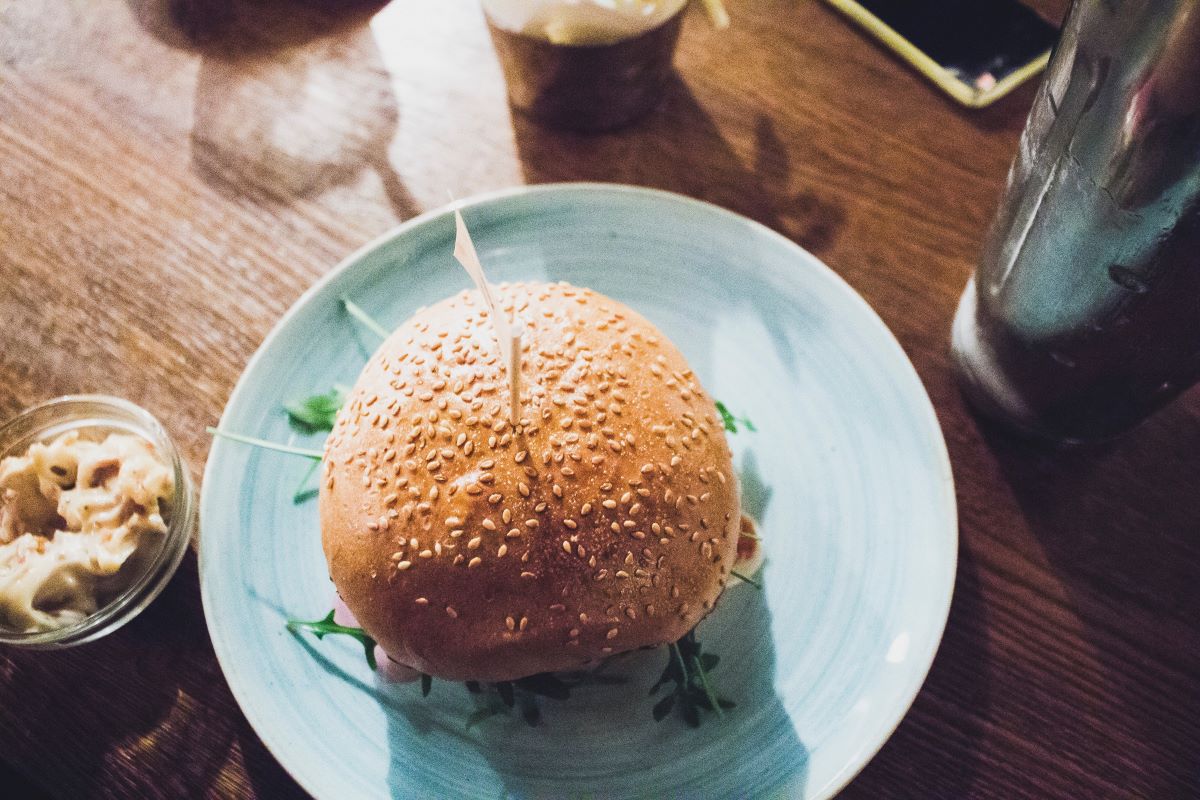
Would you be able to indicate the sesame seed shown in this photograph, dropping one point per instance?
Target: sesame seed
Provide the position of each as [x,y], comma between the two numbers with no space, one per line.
[502,551]
[558,492]
[474,562]
[488,524]
[609,504]
[403,565]
[474,543]
[531,523]
[629,612]
[528,575]
[583,617]
[457,532]
[510,623]
[523,623]
[574,632]
[421,601]
[513,534]
[426,554]
[570,523]
[612,633]
[450,612]
[523,488]
[566,545]
[622,573]
[540,507]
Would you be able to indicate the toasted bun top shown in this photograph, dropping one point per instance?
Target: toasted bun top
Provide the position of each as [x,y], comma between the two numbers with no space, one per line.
[607,521]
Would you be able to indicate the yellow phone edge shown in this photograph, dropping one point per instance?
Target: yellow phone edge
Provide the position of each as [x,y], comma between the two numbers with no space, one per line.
[940,77]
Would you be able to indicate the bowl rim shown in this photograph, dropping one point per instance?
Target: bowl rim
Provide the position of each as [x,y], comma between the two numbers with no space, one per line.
[79,411]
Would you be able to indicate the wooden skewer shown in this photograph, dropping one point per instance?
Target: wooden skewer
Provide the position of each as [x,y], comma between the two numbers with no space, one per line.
[507,337]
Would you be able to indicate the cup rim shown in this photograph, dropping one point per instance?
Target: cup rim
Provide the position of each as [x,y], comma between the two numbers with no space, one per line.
[583,46]
[73,411]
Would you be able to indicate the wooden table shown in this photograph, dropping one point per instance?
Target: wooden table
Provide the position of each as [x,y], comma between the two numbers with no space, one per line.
[174,173]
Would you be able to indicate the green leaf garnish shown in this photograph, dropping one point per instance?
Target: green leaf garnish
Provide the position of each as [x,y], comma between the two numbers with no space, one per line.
[663,707]
[303,490]
[731,422]
[365,318]
[326,626]
[315,413]
[263,443]
[480,714]
[688,668]
[746,578]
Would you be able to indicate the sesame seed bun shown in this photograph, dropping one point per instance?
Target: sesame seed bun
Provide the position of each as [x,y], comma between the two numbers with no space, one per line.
[469,550]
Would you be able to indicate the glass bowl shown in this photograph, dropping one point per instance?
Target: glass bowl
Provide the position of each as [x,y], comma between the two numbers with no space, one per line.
[47,420]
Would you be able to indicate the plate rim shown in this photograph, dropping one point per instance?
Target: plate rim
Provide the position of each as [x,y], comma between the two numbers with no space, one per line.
[854,766]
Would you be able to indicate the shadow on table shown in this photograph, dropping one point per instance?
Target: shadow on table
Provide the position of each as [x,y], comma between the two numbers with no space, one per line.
[1126,550]
[292,98]
[157,721]
[603,740]
[678,147]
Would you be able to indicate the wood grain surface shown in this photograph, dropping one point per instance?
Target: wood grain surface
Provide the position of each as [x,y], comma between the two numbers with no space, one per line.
[174,173]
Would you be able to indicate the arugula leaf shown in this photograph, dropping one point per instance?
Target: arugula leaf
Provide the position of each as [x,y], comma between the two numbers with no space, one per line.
[374,327]
[316,455]
[480,714]
[505,690]
[315,413]
[731,422]
[326,626]
[688,668]
[303,490]
[746,578]
[663,707]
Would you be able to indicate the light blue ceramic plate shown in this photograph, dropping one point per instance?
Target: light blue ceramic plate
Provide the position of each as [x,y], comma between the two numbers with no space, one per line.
[847,474]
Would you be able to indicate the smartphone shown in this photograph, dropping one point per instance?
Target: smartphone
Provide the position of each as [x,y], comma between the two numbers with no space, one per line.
[976,51]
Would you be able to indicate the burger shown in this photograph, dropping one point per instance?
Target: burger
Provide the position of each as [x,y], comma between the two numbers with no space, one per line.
[475,545]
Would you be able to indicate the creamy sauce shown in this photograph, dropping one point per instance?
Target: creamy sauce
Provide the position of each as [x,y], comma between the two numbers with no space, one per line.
[78,518]
[581,22]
